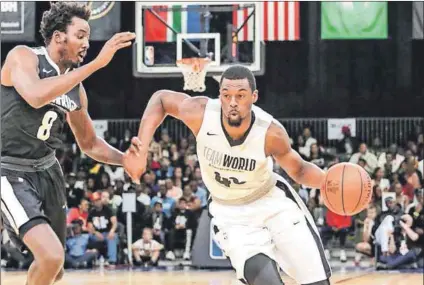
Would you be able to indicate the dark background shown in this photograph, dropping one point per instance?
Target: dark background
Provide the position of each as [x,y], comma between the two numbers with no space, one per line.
[306,78]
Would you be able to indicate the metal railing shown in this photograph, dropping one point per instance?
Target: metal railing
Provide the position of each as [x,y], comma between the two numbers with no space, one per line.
[389,130]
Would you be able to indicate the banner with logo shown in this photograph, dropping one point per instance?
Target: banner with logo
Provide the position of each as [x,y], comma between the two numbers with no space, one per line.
[335,126]
[105,19]
[17,19]
[354,20]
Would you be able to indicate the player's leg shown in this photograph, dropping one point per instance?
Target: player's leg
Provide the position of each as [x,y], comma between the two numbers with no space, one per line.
[299,250]
[251,253]
[27,226]
[53,191]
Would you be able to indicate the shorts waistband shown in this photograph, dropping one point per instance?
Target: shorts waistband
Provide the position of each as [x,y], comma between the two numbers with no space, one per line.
[28,165]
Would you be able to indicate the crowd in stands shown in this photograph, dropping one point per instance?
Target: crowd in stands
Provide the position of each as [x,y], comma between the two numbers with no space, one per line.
[172,196]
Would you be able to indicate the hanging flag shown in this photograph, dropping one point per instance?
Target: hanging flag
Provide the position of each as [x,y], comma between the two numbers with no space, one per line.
[280,21]
[187,21]
[354,20]
[417,20]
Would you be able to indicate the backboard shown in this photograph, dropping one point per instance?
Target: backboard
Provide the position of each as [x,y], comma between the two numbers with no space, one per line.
[226,33]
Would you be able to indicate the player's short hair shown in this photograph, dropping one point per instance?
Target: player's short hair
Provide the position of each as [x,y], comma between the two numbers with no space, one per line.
[239,72]
[60,16]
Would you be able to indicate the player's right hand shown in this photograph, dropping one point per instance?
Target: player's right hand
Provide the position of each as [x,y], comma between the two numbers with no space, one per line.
[118,41]
[135,160]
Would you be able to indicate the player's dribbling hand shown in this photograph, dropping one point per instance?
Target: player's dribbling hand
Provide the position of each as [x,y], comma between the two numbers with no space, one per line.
[135,159]
[118,41]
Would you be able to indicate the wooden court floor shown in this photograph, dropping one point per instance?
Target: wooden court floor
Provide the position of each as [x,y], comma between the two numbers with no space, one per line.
[192,277]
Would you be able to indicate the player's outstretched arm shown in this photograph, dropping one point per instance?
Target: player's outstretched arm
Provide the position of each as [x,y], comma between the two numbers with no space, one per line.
[277,144]
[85,135]
[181,106]
[20,71]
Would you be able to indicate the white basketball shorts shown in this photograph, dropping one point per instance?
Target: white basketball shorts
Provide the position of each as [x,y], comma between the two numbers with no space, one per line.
[278,225]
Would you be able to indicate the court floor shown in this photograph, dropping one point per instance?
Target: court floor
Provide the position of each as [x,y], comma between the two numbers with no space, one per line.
[193,277]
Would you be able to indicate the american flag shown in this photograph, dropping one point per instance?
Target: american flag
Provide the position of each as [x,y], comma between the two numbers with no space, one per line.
[279,21]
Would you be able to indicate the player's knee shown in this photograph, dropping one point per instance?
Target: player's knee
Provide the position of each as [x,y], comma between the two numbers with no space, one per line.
[323,282]
[52,260]
[260,269]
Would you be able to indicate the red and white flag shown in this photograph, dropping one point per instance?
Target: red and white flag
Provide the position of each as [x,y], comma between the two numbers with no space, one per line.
[279,21]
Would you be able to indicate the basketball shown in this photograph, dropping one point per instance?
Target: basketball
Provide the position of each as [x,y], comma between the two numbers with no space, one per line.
[347,189]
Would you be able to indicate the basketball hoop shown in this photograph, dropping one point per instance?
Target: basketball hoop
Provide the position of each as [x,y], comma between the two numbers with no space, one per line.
[194,71]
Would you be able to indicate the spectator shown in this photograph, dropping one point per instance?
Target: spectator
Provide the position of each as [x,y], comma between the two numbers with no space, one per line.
[376,148]
[167,202]
[146,251]
[149,179]
[102,225]
[77,253]
[366,246]
[174,155]
[183,226]
[158,222]
[336,225]
[80,213]
[412,175]
[378,179]
[114,202]
[384,224]
[188,175]
[125,142]
[198,177]
[401,198]
[200,193]
[73,195]
[370,158]
[104,182]
[309,140]
[166,170]
[347,144]
[193,202]
[393,160]
[315,156]
[376,199]
[141,191]
[115,173]
[173,191]
[165,140]
[177,178]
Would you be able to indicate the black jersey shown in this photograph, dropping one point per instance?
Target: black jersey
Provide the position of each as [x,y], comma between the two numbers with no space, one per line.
[32,133]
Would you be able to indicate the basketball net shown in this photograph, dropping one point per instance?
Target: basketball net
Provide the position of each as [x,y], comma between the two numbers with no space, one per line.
[194,71]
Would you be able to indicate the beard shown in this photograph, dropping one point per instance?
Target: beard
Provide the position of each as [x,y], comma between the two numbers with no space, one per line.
[235,122]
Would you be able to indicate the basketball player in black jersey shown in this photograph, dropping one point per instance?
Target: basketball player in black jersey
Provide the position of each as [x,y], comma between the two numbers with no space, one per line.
[41,89]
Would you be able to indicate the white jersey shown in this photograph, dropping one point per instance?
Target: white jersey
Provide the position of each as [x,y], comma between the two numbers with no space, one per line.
[239,173]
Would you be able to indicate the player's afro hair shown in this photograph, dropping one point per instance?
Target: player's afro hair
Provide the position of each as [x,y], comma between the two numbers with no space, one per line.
[239,72]
[60,16]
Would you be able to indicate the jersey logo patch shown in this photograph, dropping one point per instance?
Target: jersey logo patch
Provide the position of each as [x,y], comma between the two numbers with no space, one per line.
[210,134]
[227,181]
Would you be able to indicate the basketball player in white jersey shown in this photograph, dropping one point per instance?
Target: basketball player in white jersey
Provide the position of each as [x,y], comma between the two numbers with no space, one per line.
[260,222]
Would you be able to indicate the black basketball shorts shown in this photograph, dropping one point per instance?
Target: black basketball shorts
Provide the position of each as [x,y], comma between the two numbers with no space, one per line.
[32,198]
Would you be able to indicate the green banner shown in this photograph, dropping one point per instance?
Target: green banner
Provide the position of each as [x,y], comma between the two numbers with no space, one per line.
[354,20]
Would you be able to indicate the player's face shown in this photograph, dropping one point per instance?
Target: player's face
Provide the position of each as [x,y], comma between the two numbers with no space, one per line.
[75,42]
[236,99]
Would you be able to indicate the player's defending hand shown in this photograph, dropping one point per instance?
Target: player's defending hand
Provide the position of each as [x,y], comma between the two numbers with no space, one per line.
[118,41]
[135,159]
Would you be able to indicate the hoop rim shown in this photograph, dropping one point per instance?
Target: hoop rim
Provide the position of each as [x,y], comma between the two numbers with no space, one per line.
[193,60]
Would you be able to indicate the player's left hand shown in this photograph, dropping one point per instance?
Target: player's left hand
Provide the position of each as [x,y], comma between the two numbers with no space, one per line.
[135,159]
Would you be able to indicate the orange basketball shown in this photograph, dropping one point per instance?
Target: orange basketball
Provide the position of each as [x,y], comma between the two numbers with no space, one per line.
[347,189]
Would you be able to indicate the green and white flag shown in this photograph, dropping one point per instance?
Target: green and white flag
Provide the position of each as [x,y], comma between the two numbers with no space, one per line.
[354,20]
